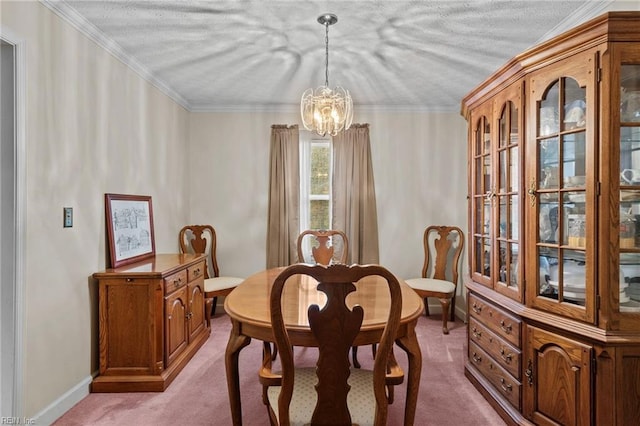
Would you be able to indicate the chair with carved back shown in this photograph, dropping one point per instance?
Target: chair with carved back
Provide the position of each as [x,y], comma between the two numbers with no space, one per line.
[202,239]
[442,248]
[331,393]
[326,246]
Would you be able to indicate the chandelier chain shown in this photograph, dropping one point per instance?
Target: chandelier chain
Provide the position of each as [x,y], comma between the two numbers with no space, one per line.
[326,51]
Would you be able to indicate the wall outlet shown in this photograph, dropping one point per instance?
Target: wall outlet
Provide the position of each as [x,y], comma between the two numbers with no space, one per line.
[68,217]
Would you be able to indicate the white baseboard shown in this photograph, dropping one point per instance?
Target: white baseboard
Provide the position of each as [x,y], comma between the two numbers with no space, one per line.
[63,404]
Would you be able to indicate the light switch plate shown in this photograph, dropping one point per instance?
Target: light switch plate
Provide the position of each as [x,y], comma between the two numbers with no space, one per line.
[68,217]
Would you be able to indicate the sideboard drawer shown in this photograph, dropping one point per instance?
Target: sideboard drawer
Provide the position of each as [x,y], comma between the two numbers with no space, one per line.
[500,350]
[196,271]
[175,281]
[500,378]
[496,319]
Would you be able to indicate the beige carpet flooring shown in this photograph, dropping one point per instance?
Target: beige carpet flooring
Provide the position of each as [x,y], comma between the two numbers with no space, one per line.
[198,396]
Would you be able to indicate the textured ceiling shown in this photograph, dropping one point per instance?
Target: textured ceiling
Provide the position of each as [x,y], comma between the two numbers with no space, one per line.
[248,55]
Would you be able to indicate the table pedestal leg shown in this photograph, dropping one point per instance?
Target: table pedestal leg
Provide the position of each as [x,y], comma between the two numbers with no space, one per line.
[409,343]
[235,344]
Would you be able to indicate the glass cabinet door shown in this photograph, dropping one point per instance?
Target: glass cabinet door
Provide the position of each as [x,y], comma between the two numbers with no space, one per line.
[508,119]
[482,195]
[560,180]
[626,294]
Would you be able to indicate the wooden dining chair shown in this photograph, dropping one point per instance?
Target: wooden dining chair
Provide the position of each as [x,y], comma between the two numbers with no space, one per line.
[442,249]
[326,246]
[202,239]
[331,393]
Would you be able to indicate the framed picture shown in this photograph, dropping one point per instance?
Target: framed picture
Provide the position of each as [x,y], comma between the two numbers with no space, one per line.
[129,228]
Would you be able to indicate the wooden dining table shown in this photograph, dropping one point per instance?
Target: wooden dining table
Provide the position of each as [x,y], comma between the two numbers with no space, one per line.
[248,308]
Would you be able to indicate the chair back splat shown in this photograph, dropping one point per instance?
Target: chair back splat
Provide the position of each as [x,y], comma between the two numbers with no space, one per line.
[201,239]
[335,327]
[327,246]
[444,243]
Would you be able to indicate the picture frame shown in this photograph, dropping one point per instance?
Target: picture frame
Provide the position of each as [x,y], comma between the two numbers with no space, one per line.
[129,220]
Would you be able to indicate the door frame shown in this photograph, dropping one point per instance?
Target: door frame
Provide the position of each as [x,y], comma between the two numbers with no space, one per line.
[16,287]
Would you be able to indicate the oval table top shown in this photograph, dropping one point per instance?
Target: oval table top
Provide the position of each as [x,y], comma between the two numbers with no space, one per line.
[249,302]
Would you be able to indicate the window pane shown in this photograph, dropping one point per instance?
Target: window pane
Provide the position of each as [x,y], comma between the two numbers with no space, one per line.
[320,169]
[319,214]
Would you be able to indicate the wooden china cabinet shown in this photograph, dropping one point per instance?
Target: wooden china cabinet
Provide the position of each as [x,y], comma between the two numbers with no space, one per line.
[554,229]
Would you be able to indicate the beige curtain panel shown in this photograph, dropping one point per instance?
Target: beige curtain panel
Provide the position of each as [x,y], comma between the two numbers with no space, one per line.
[354,202]
[284,196]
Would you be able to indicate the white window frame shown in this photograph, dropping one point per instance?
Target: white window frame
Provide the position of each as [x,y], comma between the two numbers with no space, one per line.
[307,140]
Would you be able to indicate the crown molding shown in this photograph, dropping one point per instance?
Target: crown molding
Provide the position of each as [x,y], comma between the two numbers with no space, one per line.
[582,14]
[81,24]
[295,108]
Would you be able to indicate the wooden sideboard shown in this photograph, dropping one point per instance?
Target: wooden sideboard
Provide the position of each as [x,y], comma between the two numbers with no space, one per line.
[151,322]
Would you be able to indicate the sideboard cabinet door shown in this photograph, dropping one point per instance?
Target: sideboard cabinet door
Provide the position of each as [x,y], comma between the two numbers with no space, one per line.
[176,308]
[196,317]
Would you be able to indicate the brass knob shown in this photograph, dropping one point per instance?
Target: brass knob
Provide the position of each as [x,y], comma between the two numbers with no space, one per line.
[505,387]
[505,356]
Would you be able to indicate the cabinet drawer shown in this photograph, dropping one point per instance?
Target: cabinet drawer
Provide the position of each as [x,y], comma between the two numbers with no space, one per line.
[196,271]
[504,383]
[175,281]
[500,350]
[497,320]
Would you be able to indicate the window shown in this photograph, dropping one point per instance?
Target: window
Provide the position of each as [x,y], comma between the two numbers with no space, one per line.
[315,181]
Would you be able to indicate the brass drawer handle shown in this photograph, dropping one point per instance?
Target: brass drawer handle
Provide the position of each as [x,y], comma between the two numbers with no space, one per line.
[477,334]
[177,282]
[506,328]
[506,356]
[196,272]
[476,358]
[476,308]
[507,388]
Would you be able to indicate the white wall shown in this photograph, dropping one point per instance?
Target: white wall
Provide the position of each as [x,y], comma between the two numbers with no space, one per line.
[92,126]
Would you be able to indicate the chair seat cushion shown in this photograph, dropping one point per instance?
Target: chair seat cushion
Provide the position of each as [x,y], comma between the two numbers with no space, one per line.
[431,284]
[221,283]
[360,400]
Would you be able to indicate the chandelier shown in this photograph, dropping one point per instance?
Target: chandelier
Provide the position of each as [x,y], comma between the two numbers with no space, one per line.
[323,110]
